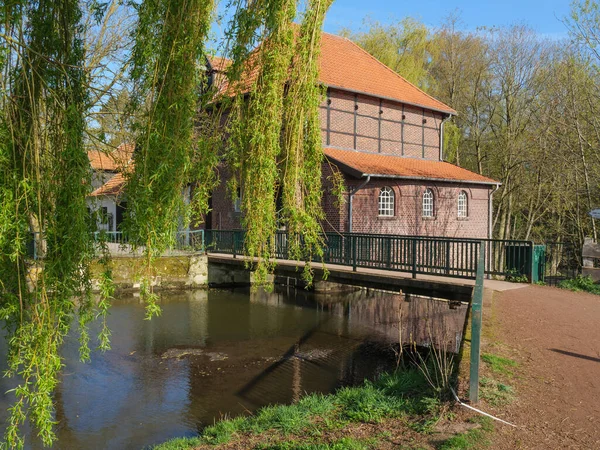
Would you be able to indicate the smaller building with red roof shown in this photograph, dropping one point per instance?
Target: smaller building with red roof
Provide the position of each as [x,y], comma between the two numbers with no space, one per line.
[108,184]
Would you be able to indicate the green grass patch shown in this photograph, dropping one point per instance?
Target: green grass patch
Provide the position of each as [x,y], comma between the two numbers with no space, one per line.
[472,439]
[400,394]
[222,431]
[581,284]
[181,444]
[498,364]
[342,444]
[496,393]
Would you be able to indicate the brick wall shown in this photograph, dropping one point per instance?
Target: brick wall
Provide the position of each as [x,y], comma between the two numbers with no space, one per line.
[361,122]
[330,205]
[408,200]
[408,218]
[223,216]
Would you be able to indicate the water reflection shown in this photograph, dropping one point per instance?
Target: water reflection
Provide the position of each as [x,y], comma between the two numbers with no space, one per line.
[227,352]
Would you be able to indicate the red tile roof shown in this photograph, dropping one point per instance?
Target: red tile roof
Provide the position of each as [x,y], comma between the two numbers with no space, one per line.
[114,186]
[361,164]
[344,65]
[218,64]
[113,161]
[118,160]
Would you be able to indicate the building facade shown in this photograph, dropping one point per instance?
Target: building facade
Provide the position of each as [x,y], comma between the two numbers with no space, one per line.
[385,136]
[108,183]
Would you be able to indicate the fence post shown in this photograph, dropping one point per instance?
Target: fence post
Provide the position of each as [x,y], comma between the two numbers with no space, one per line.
[233,238]
[530,269]
[476,319]
[447,257]
[353,244]
[414,258]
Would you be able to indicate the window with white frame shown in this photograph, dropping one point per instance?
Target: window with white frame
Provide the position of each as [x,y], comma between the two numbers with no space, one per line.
[463,205]
[386,202]
[428,203]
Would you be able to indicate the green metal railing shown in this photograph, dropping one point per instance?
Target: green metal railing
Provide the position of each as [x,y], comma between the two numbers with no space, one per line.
[452,257]
[503,256]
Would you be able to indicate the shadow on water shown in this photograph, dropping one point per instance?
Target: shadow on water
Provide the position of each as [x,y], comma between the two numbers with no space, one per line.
[215,353]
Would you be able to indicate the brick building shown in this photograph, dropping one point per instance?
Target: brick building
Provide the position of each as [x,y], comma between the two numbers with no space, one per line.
[386,137]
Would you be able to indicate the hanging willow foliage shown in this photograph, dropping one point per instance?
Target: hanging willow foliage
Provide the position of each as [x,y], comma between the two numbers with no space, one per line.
[275,144]
[259,132]
[275,155]
[44,181]
[167,71]
[302,154]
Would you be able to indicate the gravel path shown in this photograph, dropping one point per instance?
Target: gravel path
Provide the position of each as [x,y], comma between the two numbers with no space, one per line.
[556,335]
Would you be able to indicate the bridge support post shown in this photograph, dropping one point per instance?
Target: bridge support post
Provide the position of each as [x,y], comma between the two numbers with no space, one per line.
[414,258]
[476,320]
[354,264]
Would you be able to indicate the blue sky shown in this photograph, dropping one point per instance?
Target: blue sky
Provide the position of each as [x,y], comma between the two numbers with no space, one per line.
[542,15]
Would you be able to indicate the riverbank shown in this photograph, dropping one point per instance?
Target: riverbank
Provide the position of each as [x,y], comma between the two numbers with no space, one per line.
[398,410]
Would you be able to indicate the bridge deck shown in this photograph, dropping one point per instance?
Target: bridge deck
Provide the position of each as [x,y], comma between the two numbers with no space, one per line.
[433,285]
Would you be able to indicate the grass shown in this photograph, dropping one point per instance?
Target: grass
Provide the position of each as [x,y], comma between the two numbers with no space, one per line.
[181,443]
[400,394]
[342,444]
[495,392]
[498,364]
[474,438]
[581,284]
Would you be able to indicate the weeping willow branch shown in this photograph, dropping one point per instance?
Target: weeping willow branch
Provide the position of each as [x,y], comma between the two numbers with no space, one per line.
[302,155]
[169,44]
[45,174]
[45,179]
[275,143]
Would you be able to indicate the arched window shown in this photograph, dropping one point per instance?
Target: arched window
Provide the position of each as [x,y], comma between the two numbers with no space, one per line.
[463,204]
[386,202]
[428,203]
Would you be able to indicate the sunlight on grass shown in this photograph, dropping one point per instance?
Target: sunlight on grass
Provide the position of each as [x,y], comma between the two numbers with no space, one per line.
[499,364]
[400,394]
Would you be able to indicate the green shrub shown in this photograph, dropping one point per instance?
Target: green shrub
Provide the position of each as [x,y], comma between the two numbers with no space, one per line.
[581,284]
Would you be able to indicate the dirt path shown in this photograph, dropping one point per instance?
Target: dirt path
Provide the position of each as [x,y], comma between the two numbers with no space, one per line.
[555,336]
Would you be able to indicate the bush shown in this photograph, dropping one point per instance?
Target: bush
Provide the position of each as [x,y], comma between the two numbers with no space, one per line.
[581,284]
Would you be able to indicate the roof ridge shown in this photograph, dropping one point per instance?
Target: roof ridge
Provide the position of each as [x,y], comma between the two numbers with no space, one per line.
[393,71]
